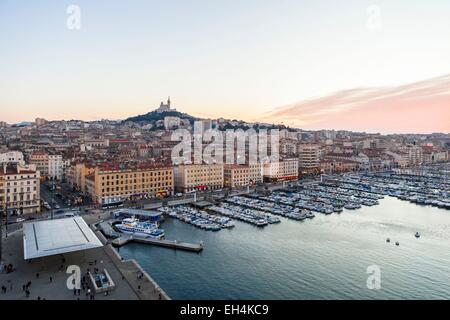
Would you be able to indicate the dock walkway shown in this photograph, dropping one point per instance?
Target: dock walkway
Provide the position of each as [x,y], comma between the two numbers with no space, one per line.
[124,239]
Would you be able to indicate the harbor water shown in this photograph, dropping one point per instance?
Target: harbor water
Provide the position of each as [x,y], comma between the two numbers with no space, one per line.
[323,258]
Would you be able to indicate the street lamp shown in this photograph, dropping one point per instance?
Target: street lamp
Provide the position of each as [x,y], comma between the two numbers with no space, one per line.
[53,199]
[1,240]
[4,210]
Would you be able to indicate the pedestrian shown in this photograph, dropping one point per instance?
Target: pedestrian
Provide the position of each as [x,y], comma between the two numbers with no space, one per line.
[37,275]
[27,293]
[74,292]
[51,279]
[23,287]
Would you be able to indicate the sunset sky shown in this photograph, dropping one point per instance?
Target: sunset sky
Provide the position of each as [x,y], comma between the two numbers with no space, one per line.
[312,64]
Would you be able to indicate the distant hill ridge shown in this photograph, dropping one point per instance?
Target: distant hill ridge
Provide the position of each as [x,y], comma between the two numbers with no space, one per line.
[156,116]
[165,110]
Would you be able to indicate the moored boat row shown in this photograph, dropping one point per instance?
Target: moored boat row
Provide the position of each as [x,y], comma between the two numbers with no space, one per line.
[251,216]
[271,207]
[198,218]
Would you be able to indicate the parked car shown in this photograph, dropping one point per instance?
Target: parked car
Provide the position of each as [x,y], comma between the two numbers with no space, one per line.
[69,214]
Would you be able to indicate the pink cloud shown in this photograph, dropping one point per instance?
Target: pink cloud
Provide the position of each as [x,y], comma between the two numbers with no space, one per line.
[421,107]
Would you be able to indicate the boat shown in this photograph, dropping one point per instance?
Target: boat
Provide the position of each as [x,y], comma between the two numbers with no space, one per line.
[145,229]
[388,240]
[310,215]
[261,222]
[417,235]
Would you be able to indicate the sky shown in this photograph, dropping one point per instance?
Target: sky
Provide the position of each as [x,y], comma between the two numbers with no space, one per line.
[238,59]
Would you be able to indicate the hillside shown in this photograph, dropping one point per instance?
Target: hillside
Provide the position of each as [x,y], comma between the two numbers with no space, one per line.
[155,116]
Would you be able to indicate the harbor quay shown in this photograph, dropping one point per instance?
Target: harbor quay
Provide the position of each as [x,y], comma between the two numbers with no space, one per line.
[47,277]
[301,201]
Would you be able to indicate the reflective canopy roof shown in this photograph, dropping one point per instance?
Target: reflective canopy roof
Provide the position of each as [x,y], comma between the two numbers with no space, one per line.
[51,237]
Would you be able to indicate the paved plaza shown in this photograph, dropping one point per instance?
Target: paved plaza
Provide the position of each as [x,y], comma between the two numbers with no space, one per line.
[48,275]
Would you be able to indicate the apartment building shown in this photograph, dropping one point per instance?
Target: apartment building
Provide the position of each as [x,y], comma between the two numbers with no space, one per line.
[308,156]
[288,147]
[40,122]
[235,176]
[193,177]
[77,174]
[415,155]
[12,157]
[282,170]
[399,158]
[92,144]
[439,156]
[340,165]
[49,165]
[111,184]
[19,189]
[55,166]
[255,173]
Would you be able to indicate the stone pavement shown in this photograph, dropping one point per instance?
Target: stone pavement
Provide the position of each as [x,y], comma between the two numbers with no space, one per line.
[131,281]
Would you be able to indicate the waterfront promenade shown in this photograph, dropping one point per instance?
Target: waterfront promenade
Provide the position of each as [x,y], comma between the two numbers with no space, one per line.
[48,275]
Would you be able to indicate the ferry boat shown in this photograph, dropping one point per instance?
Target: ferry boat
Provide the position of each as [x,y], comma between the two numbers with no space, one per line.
[145,229]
